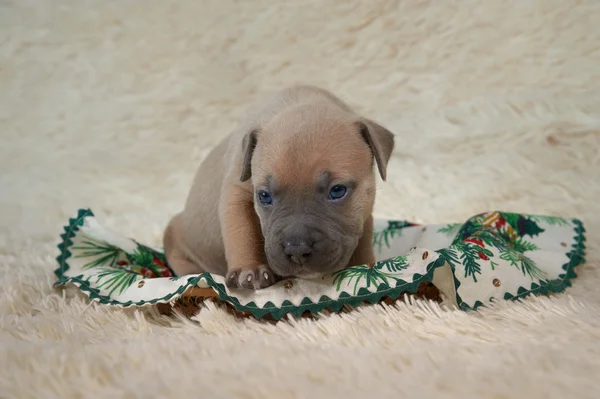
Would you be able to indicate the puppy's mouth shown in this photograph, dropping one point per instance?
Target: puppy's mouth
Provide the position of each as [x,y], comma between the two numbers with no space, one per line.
[327,256]
[311,274]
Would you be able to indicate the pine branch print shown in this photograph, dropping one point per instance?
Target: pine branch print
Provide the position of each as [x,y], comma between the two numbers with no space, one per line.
[372,276]
[528,266]
[517,243]
[384,236]
[492,238]
[522,262]
[450,229]
[394,264]
[103,254]
[551,220]
[449,255]
[520,245]
[113,279]
[469,256]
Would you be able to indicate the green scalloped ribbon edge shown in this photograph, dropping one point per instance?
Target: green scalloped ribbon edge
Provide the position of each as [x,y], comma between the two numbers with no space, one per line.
[325,302]
[93,293]
[576,257]
[269,309]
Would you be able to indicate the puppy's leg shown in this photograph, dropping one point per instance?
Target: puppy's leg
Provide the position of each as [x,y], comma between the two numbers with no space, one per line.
[244,244]
[364,254]
[172,243]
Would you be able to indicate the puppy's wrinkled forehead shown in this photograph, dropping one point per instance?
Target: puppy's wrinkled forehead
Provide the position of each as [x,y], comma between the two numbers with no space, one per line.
[309,143]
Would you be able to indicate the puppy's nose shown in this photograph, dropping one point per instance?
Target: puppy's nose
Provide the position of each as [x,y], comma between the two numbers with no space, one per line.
[298,251]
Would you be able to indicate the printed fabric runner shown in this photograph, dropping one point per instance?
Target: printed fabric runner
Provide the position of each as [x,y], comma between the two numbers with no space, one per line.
[495,255]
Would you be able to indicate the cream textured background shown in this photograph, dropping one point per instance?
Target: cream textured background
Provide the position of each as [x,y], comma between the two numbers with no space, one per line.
[111,105]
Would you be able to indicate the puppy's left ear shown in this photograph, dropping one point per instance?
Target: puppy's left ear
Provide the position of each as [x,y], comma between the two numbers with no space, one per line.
[381,142]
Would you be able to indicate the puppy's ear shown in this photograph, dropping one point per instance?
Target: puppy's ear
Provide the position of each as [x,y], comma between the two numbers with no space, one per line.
[248,146]
[381,142]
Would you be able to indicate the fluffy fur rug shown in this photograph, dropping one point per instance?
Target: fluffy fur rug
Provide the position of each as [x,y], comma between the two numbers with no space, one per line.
[111,105]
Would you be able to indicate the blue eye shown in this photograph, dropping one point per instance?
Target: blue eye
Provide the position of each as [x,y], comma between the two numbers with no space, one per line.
[337,192]
[264,198]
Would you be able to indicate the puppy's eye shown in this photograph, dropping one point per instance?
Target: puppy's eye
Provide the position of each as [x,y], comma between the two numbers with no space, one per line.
[337,192]
[264,198]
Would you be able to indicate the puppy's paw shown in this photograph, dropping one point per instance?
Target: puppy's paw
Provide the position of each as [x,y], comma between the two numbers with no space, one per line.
[251,277]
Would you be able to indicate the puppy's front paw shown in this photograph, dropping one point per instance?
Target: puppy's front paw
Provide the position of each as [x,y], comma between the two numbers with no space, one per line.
[251,277]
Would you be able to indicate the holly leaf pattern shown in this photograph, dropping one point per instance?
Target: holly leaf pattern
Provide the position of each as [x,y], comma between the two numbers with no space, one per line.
[528,227]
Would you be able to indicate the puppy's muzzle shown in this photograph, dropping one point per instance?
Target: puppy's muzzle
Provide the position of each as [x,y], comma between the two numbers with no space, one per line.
[302,249]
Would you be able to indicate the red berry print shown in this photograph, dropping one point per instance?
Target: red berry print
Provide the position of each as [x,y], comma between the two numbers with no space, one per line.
[147,273]
[476,241]
[165,273]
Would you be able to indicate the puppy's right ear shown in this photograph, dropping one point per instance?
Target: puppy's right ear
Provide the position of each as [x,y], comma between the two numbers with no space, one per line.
[248,146]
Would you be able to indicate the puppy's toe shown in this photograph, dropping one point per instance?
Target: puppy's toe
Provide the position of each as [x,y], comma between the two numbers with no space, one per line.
[252,277]
[264,277]
[231,279]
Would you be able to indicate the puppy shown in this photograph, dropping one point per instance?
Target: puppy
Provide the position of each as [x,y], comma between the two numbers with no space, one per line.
[290,192]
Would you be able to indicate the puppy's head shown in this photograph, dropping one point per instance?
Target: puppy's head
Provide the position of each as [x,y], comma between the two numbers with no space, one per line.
[314,185]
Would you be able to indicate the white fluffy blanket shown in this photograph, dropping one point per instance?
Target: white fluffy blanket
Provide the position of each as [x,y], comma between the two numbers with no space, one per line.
[111,105]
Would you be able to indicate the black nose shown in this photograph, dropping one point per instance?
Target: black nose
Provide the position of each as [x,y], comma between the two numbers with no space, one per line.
[298,251]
